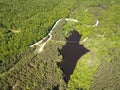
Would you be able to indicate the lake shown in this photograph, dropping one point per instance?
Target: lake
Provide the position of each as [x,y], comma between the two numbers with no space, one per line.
[71,53]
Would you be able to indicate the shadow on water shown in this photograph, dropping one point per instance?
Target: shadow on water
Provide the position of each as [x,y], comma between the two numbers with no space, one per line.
[71,53]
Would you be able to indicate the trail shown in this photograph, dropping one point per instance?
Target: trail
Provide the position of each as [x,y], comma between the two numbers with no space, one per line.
[95,25]
[49,35]
[83,41]
[68,19]
[39,42]
[41,48]
[97,22]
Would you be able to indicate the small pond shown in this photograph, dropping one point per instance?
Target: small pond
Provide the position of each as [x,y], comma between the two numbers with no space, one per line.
[71,53]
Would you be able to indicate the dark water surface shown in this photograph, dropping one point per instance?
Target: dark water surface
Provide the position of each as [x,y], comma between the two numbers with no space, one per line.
[71,53]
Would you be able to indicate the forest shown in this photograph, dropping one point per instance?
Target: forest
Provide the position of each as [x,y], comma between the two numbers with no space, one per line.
[24,22]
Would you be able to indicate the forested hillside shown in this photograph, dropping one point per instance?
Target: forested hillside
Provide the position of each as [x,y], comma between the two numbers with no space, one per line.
[99,24]
[37,71]
[24,22]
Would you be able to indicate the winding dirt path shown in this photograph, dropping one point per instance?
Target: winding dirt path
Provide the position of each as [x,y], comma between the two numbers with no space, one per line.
[97,22]
[74,20]
[39,42]
[50,35]
[95,25]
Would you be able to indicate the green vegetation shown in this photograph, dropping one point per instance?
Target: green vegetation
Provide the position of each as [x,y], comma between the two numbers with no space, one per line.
[102,41]
[108,73]
[24,22]
[37,71]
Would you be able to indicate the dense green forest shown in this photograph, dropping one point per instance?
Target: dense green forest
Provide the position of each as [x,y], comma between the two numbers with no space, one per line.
[24,22]
[99,69]
[37,71]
